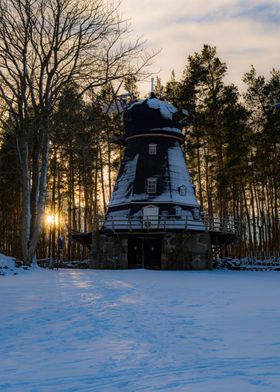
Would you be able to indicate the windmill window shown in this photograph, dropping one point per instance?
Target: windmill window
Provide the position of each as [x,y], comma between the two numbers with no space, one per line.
[182,190]
[151,185]
[152,149]
[178,211]
[196,214]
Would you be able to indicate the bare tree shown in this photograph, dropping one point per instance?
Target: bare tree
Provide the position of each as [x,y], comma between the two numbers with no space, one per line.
[44,45]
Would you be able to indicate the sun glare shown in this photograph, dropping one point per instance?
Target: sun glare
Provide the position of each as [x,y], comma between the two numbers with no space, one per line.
[52,219]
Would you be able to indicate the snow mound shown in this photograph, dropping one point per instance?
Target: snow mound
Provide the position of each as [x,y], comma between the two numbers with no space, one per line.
[248,264]
[10,266]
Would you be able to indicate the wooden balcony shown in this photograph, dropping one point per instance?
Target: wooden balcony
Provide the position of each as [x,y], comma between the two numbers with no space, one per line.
[167,223]
[221,231]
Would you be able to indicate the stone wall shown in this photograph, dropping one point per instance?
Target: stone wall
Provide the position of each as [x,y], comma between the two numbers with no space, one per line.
[186,251]
[109,252]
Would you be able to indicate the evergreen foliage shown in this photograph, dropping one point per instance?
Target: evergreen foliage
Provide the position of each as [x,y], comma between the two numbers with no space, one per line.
[232,149]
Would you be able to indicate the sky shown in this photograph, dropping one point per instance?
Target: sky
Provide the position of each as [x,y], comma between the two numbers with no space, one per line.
[244,32]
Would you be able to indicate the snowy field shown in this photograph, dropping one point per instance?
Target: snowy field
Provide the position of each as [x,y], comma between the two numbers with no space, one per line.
[85,330]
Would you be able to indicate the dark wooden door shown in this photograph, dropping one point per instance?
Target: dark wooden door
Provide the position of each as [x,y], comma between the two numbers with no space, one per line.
[152,253]
[135,253]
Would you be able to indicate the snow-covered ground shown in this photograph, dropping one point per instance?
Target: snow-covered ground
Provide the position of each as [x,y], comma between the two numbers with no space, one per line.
[9,266]
[139,330]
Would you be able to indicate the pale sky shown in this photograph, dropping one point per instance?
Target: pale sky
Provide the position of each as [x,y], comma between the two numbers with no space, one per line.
[245,32]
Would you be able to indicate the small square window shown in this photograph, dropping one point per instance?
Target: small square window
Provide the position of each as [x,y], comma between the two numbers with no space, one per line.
[151,185]
[178,211]
[182,190]
[152,149]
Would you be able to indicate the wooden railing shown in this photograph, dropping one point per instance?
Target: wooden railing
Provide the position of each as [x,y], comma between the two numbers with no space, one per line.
[167,222]
[222,225]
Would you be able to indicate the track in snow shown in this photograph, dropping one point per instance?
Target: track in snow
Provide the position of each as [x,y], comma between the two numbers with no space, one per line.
[138,330]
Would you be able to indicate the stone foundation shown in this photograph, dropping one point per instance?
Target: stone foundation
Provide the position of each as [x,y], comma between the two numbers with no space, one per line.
[179,251]
[186,251]
[109,252]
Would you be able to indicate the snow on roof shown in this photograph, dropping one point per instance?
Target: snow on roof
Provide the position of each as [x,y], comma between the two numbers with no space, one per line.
[122,220]
[179,175]
[119,213]
[139,102]
[123,188]
[166,109]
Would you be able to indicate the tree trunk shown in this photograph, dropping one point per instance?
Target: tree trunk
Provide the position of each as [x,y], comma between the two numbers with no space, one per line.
[26,212]
[37,229]
[32,219]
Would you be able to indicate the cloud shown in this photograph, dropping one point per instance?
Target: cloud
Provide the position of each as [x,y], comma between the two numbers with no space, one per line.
[244,33]
[262,12]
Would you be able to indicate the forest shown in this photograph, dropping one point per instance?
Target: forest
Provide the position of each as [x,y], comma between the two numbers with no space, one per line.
[66,74]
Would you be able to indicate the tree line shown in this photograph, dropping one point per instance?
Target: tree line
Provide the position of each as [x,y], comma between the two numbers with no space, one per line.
[233,147]
[61,75]
[46,46]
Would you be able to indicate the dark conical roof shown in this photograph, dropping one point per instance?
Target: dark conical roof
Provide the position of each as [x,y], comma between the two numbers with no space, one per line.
[152,115]
[157,123]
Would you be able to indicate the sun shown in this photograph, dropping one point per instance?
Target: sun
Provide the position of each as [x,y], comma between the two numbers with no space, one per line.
[52,219]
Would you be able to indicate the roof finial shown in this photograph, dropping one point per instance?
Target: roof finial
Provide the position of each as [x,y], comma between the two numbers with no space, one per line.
[152,95]
[152,85]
